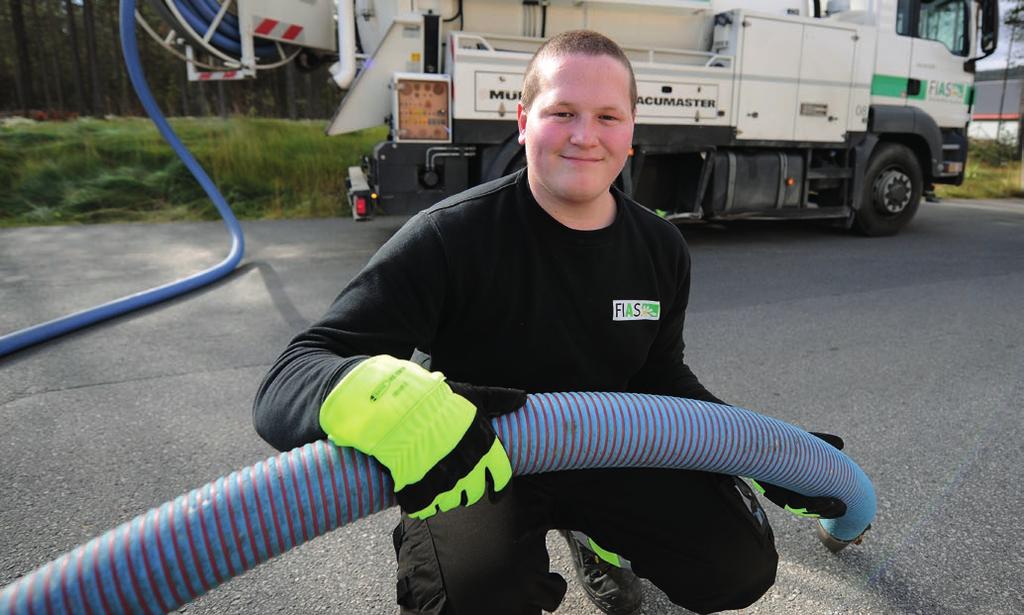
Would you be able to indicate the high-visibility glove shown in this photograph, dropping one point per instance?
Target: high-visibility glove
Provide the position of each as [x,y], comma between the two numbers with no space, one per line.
[437,444]
[803,505]
[490,401]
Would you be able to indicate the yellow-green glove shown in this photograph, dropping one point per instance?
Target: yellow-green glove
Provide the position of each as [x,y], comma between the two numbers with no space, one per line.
[441,451]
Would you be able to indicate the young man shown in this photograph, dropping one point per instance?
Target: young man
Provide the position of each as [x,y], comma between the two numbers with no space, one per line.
[513,284]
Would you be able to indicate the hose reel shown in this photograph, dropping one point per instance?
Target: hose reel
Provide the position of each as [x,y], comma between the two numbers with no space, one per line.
[236,38]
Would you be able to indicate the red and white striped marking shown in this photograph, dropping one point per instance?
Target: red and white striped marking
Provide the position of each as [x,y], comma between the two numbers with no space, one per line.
[221,75]
[272,28]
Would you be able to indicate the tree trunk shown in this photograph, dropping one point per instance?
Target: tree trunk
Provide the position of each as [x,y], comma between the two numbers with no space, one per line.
[98,108]
[201,89]
[44,51]
[319,79]
[56,62]
[278,109]
[307,82]
[117,59]
[222,103]
[184,94]
[289,91]
[76,56]
[23,65]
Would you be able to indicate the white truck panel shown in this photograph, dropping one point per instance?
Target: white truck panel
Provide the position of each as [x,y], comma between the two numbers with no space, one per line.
[892,67]
[653,23]
[863,69]
[680,95]
[309,23]
[827,53]
[673,87]
[487,83]
[660,23]
[682,101]
[373,17]
[823,94]
[366,104]
[636,26]
[494,16]
[497,92]
[769,69]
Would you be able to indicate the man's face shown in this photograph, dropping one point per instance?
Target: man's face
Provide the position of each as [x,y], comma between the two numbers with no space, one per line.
[578,129]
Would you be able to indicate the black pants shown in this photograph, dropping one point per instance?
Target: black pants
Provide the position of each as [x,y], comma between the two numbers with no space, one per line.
[701,538]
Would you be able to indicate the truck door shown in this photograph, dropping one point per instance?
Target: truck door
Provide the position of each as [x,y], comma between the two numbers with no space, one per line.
[942,43]
[892,62]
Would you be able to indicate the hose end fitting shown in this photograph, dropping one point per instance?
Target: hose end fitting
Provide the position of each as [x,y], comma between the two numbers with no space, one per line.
[835,545]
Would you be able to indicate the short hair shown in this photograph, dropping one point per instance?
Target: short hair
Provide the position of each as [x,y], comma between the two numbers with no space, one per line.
[582,42]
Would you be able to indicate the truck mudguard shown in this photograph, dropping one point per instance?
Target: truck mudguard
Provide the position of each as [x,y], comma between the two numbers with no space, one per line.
[889,119]
[498,165]
[862,154]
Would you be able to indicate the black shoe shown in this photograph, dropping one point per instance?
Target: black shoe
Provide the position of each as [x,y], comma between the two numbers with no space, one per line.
[614,590]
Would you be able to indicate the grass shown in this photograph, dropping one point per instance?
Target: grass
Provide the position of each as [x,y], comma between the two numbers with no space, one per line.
[986,181]
[122,170]
[993,172]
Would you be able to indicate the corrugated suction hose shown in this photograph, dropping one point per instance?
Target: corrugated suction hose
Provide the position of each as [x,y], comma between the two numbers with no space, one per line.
[179,551]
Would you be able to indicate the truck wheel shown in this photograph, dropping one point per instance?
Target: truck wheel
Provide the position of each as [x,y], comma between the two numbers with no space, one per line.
[510,158]
[893,186]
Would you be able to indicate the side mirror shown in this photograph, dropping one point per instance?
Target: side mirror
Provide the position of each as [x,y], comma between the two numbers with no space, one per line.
[989,26]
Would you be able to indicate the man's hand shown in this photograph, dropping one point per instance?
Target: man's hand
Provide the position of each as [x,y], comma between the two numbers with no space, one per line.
[803,505]
[433,436]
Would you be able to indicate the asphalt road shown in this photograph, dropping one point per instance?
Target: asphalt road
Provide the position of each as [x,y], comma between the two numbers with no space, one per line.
[911,347]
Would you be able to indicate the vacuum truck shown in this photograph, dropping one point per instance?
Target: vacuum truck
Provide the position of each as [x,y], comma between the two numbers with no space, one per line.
[851,110]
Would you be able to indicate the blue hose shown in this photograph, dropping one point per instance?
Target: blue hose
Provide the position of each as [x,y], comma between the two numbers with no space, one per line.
[200,15]
[13,342]
[228,26]
[179,551]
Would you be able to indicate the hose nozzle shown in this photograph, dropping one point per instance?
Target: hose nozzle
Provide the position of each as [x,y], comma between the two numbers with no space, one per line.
[835,545]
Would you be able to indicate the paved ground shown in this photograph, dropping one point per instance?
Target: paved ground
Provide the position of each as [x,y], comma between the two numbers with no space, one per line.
[911,347]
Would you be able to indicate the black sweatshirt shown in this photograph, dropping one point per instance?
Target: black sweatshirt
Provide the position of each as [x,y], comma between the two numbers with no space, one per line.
[499,293]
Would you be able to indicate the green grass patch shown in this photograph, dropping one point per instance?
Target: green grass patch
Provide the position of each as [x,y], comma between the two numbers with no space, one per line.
[993,172]
[123,170]
[986,181]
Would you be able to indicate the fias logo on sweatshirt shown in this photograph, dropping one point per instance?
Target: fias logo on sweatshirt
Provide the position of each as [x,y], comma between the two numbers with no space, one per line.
[635,309]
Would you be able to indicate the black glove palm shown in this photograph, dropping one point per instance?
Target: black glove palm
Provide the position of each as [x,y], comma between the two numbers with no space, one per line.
[803,505]
[490,401]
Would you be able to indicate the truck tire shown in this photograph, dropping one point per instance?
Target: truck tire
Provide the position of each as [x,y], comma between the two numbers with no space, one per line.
[893,185]
[509,158]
